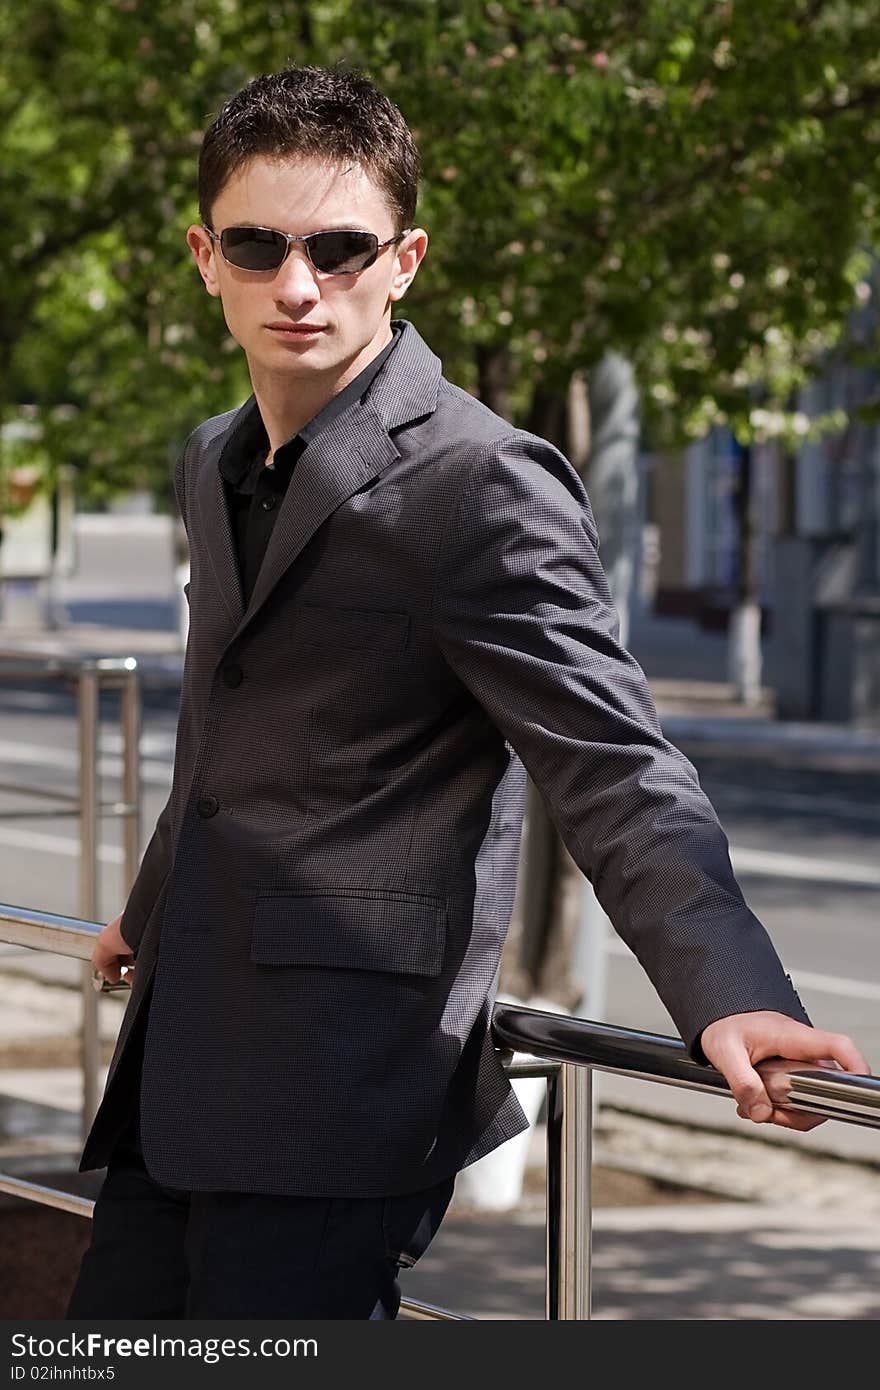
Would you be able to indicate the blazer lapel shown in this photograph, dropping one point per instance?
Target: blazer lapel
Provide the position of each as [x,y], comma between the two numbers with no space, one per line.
[215,530]
[353,450]
[349,453]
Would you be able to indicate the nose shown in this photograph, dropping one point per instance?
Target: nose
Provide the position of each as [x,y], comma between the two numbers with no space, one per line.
[295,280]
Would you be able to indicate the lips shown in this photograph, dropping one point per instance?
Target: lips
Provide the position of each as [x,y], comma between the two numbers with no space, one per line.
[297,330]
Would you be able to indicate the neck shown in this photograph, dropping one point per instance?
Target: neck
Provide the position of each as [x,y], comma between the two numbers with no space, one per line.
[287,403]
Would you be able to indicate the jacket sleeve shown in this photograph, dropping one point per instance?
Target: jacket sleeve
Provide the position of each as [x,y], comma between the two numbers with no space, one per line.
[154,869]
[523,614]
[155,865]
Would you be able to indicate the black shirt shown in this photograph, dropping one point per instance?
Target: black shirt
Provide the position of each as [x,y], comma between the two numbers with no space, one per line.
[255,492]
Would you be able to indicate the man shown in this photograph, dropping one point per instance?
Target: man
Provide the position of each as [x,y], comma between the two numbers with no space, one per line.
[396,608]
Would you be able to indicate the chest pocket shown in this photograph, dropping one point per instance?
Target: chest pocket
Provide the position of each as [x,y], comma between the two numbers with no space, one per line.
[358,669]
[352,629]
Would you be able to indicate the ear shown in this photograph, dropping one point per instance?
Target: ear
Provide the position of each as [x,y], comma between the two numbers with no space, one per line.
[410,253]
[202,248]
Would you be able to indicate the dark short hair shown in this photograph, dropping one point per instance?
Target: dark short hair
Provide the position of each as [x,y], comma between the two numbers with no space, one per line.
[334,114]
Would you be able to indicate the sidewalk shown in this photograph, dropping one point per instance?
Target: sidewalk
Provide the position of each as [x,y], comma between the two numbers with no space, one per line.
[782,1236]
[686,669]
[713,1261]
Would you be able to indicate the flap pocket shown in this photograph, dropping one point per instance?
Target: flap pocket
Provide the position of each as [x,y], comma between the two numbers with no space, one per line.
[371,629]
[401,932]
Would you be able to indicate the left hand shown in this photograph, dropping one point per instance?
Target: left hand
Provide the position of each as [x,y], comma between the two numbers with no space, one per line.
[736,1044]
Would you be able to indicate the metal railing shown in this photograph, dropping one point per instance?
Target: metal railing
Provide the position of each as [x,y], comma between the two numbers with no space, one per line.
[562,1049]
[87,676]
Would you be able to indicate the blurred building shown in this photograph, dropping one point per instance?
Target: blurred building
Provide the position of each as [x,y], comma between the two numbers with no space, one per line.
[817,544]
[824,649]
[690,500]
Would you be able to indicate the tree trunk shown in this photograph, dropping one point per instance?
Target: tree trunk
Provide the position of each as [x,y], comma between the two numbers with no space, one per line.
[744,638]
[547,416]
[612,476]
[493,370]
[787,493]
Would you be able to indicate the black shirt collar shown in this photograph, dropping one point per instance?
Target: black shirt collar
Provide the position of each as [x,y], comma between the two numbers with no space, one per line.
[249,441]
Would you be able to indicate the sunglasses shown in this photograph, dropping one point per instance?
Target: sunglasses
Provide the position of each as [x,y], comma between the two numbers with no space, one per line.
[341,252]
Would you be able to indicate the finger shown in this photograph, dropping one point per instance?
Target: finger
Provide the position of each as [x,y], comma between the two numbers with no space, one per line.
[788,1119]
[776,1077]
[750,1093]
[106,964]
[813,1045]
[796,1120]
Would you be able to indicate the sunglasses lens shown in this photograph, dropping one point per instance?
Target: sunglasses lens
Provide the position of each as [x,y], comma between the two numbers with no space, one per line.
[253,248]
[342,252]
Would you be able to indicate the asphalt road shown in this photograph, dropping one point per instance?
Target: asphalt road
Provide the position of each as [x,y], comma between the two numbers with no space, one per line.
[805,844]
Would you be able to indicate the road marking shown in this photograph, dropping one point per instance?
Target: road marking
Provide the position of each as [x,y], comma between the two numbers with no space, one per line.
[813,870]
[836,984]
[806,979]
[154,772]
[45,755]
[56,844]
[810,804]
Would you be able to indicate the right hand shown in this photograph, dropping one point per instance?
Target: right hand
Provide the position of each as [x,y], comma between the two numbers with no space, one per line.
[112,952]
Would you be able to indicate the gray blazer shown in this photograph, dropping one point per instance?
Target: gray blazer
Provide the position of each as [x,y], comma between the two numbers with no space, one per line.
[323,903]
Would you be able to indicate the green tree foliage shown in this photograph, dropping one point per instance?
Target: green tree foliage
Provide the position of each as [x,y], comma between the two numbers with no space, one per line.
[693,183]
[106,337]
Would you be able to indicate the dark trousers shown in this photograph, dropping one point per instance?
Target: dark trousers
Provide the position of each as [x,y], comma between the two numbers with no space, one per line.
[162,1252]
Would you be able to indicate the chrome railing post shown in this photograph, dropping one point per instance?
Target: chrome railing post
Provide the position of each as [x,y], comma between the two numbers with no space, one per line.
[576,1214]
[130,720]
[89,675]
[88,719]
[553,1200]
[569,1193]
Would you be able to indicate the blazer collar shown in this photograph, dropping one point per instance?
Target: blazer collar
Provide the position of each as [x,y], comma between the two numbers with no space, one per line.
[354,448]
[408,385]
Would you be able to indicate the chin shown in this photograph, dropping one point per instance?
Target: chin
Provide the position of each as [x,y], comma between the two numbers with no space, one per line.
[290,355]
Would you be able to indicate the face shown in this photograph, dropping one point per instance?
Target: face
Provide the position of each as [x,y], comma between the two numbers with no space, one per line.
[352,311]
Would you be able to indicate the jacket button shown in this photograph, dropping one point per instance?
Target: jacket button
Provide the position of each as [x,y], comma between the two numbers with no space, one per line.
[268,503]
[233,675]
[208,806]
